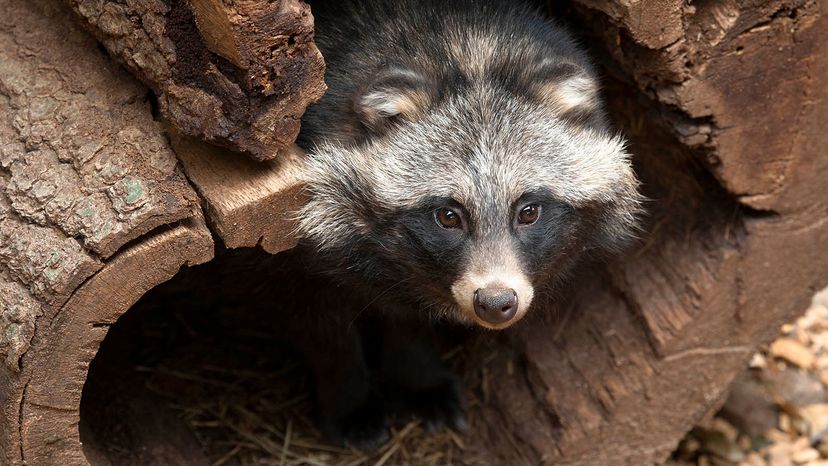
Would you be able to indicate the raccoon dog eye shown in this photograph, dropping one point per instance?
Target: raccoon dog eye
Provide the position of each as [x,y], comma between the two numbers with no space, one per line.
[447,218]
[529,214]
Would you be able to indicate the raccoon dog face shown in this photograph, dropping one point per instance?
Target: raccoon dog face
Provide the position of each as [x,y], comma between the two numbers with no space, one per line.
[464,187]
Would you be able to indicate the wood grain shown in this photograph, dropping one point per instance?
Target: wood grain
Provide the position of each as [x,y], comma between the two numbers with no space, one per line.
[247,203]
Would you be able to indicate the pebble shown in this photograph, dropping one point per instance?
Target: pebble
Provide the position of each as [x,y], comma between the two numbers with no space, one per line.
[805,456]
[792,351]
[758,361]
[779,455]
[753,459]
[816,417]
[719,445]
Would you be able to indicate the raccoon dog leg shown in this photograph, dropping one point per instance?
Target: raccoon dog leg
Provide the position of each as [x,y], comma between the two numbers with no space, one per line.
[349,406]
[415,381]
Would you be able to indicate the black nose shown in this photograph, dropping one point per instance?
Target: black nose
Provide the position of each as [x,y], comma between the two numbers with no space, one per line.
[495,305]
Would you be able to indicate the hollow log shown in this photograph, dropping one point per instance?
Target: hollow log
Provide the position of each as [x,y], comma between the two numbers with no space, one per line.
[723,102]
[235,73]
[94,211]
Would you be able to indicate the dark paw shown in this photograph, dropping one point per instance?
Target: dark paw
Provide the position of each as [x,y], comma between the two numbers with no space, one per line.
[364,427]
[438,406]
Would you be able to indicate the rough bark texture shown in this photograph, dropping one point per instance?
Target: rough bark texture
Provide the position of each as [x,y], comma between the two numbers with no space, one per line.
[84,170]
[235,73]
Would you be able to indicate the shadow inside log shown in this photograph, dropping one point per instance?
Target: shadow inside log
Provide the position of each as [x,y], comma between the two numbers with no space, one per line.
[197,374]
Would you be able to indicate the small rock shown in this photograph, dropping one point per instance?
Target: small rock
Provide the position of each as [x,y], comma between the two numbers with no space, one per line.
[718,444]
[730,432]
[744,442]
[749,406]
[758,361]
[793,352]
[805,456]
[777,436]
[801,336]
[785,423]
[816,417]
[779,454]
[819,343]
[687,449]
[821,298]
[794,387]
[753,459]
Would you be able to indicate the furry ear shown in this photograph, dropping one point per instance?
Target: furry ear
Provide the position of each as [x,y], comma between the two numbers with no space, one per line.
[566,88]
[394,92]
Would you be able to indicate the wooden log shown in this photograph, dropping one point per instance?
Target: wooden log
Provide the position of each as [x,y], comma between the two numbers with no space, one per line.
[236,73]
[86,181]
[49,408]
[94,211]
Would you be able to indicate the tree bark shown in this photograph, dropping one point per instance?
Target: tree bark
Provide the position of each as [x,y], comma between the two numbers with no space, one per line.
[94,211]
[235,73]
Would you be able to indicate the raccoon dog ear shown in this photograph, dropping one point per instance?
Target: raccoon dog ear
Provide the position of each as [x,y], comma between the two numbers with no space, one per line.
[394,92]
[566,88]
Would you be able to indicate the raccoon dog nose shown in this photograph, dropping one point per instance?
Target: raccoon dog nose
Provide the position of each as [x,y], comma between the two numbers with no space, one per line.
[495,305]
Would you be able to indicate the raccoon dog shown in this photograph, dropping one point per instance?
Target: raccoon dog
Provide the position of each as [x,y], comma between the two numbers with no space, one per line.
[460,162]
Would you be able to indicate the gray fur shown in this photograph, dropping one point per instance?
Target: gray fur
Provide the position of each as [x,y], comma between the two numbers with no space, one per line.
[477,101]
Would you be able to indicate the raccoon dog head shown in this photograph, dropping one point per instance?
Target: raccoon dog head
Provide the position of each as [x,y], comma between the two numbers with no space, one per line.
[472,184]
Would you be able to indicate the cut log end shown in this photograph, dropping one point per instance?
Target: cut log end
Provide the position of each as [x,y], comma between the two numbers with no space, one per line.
[51,395]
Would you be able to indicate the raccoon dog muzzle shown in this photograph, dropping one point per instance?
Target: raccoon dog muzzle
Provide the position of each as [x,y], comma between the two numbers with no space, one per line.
[493,297]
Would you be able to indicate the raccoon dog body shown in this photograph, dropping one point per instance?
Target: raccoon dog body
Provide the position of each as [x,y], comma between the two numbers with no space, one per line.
[460,162]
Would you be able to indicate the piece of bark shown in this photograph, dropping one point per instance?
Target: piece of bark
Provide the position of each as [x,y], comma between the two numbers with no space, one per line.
[237,73]
[84,169]
[247,203]
[733,59]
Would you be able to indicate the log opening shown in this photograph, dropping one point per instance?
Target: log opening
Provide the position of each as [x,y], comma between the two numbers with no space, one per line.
[195,373]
